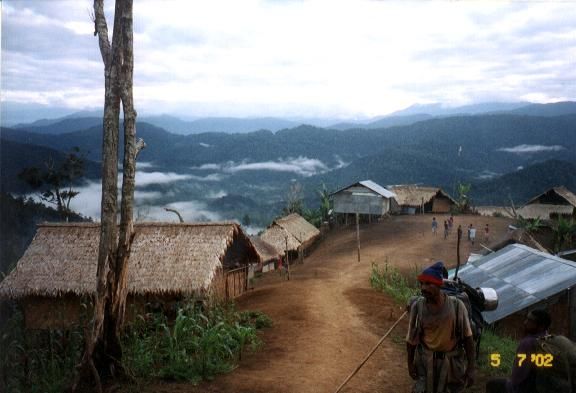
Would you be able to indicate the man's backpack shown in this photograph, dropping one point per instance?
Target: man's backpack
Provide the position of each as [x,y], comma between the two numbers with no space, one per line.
[555,374]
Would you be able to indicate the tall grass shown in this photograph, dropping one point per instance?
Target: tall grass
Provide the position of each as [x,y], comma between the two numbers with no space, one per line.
[196,345]
[37,361]
[389,280]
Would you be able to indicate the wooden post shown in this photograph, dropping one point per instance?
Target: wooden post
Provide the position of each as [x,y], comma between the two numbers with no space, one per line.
[572,310]
[287,259]
[358,235]
[458,252]
[226,281]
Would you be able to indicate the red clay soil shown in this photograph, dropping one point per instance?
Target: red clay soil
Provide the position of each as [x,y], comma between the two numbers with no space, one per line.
[327,318]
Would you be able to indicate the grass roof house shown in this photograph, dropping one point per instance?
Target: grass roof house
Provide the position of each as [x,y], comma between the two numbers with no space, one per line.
[414,199]
[292,233]
[168,261]
[267,253]
[557,201]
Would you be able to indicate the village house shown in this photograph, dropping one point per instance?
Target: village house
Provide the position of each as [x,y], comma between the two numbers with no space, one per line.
[168,262]
[551,204]
[525,279]
[364,198]
[555,202]
[413,199]
[291,235]
[267,254]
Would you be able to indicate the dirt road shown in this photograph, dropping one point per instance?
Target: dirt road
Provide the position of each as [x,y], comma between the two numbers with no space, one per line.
[327,318]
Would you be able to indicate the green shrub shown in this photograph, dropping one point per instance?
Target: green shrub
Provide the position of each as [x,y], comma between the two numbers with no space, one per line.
[196,345]
[37,361]
[389,280]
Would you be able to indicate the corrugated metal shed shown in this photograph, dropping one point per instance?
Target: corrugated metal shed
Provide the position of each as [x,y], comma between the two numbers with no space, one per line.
[364,197]
[522,277]
[377,188]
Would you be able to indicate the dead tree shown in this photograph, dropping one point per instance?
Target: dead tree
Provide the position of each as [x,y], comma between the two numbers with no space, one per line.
[103,352]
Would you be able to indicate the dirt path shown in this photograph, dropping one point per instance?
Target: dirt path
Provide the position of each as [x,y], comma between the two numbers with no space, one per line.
[327,318]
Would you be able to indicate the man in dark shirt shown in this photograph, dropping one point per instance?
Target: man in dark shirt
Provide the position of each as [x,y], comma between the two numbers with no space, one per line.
[523,375]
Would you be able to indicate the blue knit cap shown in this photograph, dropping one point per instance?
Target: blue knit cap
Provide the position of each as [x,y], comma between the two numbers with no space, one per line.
[433,274]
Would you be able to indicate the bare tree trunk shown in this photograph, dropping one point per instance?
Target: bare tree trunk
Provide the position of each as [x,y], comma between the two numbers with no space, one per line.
[103,352]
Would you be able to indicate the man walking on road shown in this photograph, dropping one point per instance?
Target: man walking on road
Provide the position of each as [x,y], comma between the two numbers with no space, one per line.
[434,226]
[439,340]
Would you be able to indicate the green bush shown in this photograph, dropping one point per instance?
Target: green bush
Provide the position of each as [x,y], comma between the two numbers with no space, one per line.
[196,345]
[389,280]
[37,361]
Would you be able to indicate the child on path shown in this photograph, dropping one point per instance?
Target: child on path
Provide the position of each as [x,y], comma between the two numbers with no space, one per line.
[486,234]
[434,226]
[445,229]
[472,232]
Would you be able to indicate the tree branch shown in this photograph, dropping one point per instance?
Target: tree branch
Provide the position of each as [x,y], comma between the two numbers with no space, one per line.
[175,212]
[140,145]
[101,30]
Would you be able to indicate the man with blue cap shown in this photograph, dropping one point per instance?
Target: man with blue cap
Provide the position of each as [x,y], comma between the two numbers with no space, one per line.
[439,340]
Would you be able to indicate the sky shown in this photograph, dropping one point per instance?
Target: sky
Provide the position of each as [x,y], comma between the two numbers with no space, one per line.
[347,59]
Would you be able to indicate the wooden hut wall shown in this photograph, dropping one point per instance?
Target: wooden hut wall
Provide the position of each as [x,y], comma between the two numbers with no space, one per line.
[51,312]
[559,308]
[229,284]
[441,204]
[345,202]
[237,254]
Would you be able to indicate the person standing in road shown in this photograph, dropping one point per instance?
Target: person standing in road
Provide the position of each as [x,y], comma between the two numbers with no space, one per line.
[439,340]
[434,226]
[472,232]
[445,229]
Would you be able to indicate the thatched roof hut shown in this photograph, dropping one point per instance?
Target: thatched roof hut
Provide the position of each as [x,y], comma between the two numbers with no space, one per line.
[280,239]
[292,228]
[266,251]
[165,258]
[555,201]
[419,199]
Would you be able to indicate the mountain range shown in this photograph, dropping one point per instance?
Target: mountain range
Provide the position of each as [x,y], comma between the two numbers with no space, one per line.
[228,175]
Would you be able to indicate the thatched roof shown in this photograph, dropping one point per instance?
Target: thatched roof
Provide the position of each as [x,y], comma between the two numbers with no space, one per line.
[276,236]
[412,195]
[540,210]
[562,191]
[295,228]
[298,227]
[165,258]
[266,251]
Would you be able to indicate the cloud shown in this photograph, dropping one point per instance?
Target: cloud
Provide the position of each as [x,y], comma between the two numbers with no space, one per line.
[147,178]
[216,194]
[302,166]
[144,165]
[209,167]
[211,177]
[528,149]
[250,61]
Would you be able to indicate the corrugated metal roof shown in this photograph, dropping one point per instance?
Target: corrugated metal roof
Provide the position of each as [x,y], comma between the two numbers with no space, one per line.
[522,276]
[377,188]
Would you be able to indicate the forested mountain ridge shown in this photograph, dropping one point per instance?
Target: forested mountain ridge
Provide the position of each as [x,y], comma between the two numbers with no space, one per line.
[480,137]
[259,166]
